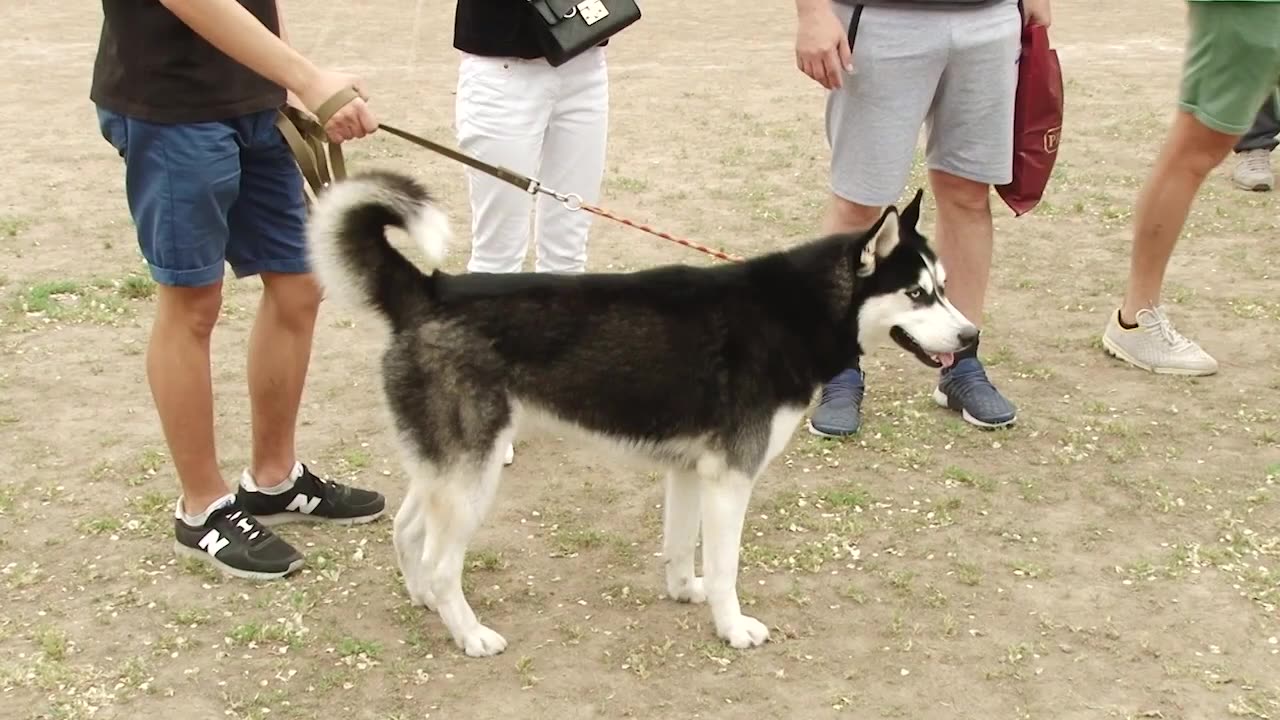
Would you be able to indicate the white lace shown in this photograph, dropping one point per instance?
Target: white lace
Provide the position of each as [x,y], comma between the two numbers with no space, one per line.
[253,532]
[1163,326]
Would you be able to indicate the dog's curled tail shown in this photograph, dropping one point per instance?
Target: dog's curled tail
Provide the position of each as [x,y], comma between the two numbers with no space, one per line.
[349,249]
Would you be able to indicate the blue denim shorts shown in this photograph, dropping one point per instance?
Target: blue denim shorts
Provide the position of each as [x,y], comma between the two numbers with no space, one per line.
[204,195]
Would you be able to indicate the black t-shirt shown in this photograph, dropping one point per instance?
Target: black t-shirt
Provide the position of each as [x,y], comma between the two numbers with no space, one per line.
[153,67]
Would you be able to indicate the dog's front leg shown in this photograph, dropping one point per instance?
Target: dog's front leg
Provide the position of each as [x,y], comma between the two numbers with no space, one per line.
[724,502]
[680,516]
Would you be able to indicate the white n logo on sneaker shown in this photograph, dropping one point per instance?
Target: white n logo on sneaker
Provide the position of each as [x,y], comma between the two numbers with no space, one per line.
[303,504]
[213,543]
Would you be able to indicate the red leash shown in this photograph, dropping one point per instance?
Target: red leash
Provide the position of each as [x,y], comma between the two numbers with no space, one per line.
[720,254]
[572,201]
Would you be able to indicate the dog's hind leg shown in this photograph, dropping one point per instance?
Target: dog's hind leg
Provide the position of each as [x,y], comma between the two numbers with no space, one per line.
[409,532]
[680,537]
[725,495]
[455,505]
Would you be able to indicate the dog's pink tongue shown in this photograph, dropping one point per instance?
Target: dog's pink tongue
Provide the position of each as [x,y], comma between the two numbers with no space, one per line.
[947,359]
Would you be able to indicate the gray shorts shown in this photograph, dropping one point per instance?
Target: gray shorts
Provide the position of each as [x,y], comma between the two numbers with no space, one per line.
[952,71]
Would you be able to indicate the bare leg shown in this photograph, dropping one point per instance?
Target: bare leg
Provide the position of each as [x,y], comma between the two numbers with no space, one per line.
[279,352]
[1190,152]
[843,216]
[181,386]
[964,236]
[680,513]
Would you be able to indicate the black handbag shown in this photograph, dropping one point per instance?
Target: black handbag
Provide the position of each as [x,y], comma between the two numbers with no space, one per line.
[575,26]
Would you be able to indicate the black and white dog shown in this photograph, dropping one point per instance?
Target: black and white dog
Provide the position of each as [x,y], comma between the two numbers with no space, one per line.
[704,371]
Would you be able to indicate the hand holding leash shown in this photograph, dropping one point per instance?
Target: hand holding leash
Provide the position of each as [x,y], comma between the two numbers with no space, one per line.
[338,102]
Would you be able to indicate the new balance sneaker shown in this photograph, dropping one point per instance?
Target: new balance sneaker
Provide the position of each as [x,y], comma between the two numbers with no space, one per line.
[1253,171]
[1156,346]
[228,537]
[303,497]
[965,387]
[839,411]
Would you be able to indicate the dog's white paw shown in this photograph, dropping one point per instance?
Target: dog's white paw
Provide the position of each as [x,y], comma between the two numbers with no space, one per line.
[687,590]
[483,642]
[744,632]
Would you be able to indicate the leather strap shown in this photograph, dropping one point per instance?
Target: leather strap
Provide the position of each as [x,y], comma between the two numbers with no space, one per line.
[307,139]
[524,183]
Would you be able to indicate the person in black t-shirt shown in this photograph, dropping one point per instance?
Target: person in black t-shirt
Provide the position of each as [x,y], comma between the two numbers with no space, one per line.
[187,92]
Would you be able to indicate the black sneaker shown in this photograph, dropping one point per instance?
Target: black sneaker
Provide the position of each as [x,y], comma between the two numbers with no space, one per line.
[312,500]
[233,541]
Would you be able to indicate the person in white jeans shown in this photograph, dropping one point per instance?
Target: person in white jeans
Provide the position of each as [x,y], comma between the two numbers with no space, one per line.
[549,123]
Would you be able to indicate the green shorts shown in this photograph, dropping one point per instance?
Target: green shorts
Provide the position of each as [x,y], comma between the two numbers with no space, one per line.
[1232,63]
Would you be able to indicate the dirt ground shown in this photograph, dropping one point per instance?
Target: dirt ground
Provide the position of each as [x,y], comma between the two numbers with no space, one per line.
[1116,555]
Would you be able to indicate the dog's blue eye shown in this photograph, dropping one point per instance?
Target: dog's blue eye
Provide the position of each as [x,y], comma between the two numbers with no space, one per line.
[915,293]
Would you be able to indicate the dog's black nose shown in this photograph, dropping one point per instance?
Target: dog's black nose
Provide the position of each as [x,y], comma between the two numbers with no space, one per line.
[968,336]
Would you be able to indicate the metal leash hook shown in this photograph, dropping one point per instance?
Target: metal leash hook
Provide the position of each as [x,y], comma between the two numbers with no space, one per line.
[571,201]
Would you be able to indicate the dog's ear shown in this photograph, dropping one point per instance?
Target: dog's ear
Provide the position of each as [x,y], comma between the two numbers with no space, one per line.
[911,214]
[881,239]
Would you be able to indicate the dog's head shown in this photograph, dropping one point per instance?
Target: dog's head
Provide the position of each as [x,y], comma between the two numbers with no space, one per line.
[901,283]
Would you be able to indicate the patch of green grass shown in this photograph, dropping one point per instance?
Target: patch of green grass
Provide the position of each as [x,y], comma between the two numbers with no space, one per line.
[11,225]
[847,497]
[968,478]
[190,617]
[100,526]
[253,633]
[351,647]
[357,458]
[200,569]
[968,573]
[137,287]
[524,667]
[53,643]
[100,302]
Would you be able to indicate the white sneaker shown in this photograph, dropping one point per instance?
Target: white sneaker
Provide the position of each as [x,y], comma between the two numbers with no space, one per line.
[1156,346]
[510,456]
[1253,171]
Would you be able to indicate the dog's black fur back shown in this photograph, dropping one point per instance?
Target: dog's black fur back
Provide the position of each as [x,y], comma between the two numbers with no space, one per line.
[651,357]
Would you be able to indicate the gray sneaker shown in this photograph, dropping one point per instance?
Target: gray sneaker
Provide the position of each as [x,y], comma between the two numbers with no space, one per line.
[1253,171]
[1156,346]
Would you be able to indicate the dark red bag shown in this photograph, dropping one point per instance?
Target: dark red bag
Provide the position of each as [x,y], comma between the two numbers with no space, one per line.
[1037,121]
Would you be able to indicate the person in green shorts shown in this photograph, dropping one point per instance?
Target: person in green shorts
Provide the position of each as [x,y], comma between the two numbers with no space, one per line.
[1231,66]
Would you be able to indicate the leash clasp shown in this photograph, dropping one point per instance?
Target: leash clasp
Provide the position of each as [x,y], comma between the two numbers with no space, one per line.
[571,201]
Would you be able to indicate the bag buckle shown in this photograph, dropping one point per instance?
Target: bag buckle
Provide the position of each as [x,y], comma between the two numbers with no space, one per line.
[592,11]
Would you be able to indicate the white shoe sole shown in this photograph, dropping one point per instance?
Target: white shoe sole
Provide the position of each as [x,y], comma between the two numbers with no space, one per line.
[940,398]
[286,518]
[202,556]
[1114,350]
[818,433]
[1253,187]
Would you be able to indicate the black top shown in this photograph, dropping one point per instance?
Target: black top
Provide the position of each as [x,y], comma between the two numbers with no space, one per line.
[500,28]
[152,66]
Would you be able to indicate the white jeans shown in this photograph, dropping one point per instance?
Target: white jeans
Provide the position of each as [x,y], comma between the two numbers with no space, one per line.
[545,122]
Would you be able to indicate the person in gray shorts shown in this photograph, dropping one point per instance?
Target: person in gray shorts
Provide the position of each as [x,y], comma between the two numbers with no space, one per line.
[890,68]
